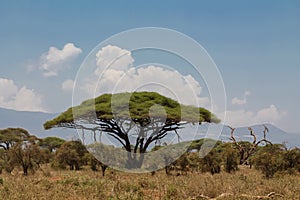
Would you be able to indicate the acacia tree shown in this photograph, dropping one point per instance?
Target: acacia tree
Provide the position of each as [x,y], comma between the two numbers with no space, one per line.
[19,148]
[27,155]
[145,116]
[269,159]
[72,154]
[10,136]
[51,143]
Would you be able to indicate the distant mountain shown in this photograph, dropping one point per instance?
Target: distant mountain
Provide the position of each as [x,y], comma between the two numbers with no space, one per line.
[275,134]
[33,122]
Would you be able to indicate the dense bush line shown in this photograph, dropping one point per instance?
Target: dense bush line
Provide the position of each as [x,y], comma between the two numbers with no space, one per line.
[20,149]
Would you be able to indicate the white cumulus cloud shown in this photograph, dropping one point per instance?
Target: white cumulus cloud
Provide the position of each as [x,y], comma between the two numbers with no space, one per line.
[242,117]
[67,85]
[237,101]
[115,72]
[22,99]
[113,57]
[270,114]
[7,89]
[151,78]
[243,101]
[55,59]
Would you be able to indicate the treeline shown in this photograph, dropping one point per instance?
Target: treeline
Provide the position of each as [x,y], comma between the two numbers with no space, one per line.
[269,159]
[21,149]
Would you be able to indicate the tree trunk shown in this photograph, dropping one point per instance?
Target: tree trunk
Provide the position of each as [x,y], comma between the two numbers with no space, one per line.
[103,168]
[134,160]
[167,170]
[242,157]
[25,169]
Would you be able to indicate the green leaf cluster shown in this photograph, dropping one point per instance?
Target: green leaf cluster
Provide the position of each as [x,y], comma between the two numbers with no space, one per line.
[140,107]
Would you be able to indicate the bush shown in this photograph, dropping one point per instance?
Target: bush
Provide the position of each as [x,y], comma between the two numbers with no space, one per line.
[211,162]
[71,154]
[231,159]
[291,159]
[269,160]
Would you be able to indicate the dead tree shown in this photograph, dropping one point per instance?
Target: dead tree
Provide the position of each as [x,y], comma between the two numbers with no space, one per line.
[246,151]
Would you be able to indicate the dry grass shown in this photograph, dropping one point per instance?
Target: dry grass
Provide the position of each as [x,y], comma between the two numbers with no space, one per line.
[85,184]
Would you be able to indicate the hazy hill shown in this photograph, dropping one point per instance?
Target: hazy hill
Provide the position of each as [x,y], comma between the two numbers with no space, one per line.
[33,122]
[275,135]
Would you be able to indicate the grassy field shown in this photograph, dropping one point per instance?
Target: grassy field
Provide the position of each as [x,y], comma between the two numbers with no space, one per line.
[86,184]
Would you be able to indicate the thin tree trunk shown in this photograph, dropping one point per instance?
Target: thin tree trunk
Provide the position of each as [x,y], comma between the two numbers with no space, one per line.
[103,168]
[25,169]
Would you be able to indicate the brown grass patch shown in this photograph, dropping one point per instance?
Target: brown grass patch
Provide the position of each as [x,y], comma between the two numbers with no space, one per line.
[86,184]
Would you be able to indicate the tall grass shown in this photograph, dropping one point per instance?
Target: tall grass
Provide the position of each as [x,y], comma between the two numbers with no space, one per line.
[86,184]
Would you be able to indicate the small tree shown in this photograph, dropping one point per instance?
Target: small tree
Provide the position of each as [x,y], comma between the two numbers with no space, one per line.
[10,136]
[291,159]
[211,162]
[51,143]
[231,158]
[27,155]
[269,159]
[104,155]
[72,154]
[19,148]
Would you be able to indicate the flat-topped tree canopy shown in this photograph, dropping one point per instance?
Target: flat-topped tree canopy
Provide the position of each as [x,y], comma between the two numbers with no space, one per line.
[9,136]
[139,107]
[145,117]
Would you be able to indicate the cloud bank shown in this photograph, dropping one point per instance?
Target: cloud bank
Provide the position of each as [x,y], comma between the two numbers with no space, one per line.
[21,99]
[115,73]
[55,59]
[238,118]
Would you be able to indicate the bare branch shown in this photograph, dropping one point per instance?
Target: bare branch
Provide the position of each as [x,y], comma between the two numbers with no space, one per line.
[221,196]
[233,139]
[266,130]
[253,135]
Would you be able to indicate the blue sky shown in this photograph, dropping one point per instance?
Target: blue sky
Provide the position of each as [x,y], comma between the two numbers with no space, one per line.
[255,44]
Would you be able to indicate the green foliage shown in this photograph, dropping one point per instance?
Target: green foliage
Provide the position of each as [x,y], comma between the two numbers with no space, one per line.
[4,160]
[28,156]
[94,163]
[291,159]
[182,164]
[269,159]
[245,151]
[168,157]
[209,144]
[211,162]
[19,149]
[10,136]
[72,154]
[108,106]
[149,114]
[51,143]
[231,158]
